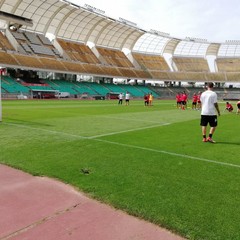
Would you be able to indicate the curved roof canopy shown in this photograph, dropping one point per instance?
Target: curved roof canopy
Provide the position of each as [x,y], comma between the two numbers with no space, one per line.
[151,43]
[72,22]
[66,20]
[229,50]
[188,48]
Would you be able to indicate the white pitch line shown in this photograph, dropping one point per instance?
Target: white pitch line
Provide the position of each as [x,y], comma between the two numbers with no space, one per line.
[47,130]
[131,146]
[169,153]
[129,130]
[130,119]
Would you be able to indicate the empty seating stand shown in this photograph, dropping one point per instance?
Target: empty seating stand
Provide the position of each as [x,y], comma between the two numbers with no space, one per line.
[228,64]
[191,64]
[4,43]
[33,43]
[78,52]
[115,57]
[151,62]
[11,86]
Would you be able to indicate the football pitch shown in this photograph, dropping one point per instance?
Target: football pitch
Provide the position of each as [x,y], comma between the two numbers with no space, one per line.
[148,161]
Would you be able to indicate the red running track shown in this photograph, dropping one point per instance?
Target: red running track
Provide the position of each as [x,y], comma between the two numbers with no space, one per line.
[39,208]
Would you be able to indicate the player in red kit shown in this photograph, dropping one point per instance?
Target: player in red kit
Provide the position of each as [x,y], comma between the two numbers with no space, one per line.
[184,100]
[229,107]
[199,105]
[178,100]
[194,101]
[238,107]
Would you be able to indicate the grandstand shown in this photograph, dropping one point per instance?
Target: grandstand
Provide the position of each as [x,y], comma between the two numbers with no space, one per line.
[114,57]
[191,64]
[9,85]
[78,52]
[75,89]
[4,43]
[151,62]
[228,64]
[89,43]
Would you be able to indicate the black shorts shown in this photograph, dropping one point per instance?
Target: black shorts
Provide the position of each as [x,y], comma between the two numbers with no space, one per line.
[211,120]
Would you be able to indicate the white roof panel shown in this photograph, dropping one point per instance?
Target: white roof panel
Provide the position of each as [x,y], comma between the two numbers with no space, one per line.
[191,48]
[229,50]
[65,20]
[151,43]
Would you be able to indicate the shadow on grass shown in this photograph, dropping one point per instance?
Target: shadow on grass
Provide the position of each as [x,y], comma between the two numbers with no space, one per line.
[28,123]
[229,143]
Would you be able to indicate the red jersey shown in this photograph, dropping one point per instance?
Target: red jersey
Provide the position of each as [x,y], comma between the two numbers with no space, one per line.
[229,106]
[184,97]
[178,97]
[198,98]
[195,98]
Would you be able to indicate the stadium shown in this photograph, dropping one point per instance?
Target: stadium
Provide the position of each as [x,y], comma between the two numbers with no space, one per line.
[62,69]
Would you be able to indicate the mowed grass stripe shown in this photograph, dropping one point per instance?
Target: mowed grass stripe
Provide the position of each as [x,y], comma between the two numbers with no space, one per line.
[128,145]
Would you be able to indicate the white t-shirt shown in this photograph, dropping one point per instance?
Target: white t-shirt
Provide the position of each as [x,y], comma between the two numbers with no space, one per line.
[120,96]
[208,98]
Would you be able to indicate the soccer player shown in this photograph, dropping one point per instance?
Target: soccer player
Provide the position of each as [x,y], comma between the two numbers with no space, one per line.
[184,98]
[238,107]
[199,105]
[178,100]
[194,101]
[150,99]
[208,114]
[146,99]
[127,98]
[120,98]
[229,107]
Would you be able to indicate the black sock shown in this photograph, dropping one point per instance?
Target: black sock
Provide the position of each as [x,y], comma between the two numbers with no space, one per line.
[210,135]
[204,136]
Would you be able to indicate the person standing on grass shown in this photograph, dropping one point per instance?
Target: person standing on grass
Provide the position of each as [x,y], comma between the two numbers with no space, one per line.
[208,114]
[194,101]
[127,98]
[146,99]
[199,106]
[238,107]
[178,100]
[120,99]
[184,99]
[150,99]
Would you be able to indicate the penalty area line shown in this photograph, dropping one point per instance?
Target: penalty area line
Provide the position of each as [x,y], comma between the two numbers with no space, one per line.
[129,130]
[47,130]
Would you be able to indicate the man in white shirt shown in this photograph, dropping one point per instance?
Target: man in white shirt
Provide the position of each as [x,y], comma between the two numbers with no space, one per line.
[127,98]
[120,98]
[208,114]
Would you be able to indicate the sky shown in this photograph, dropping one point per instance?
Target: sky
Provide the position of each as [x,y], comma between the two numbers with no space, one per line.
[213,20]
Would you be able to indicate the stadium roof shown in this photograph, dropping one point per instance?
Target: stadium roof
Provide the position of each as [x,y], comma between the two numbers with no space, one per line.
[84,24]
[66,20]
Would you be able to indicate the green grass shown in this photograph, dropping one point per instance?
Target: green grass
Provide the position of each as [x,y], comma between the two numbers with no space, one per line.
[148,161]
